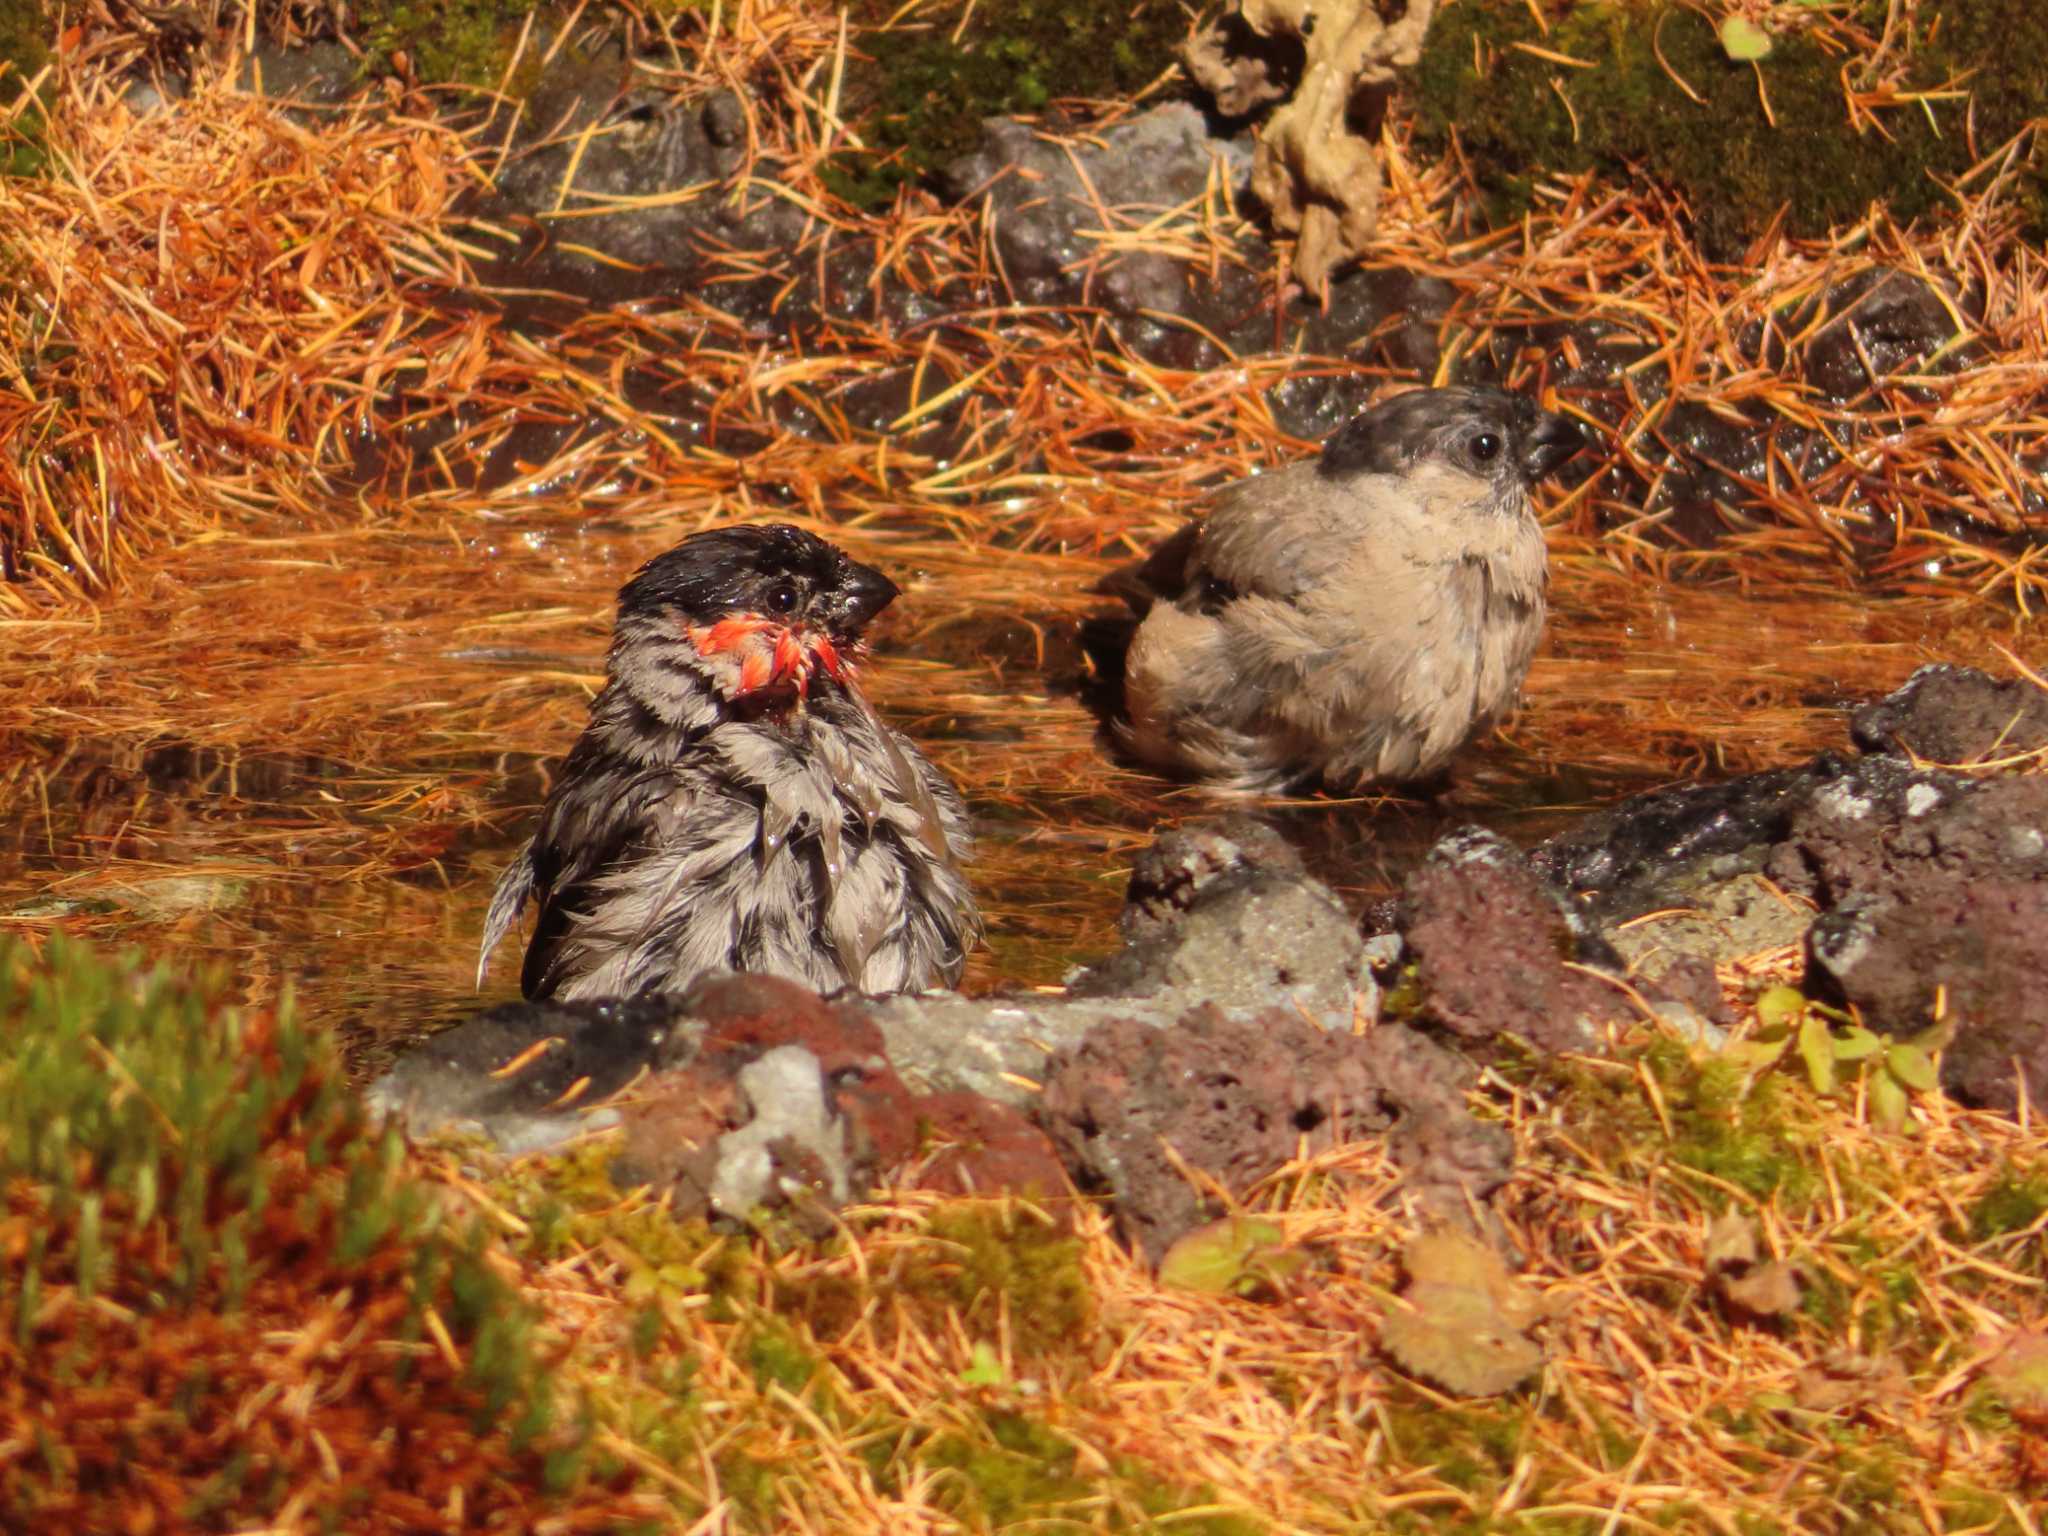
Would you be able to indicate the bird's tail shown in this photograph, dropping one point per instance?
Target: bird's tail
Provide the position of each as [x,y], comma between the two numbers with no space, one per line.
[507,902]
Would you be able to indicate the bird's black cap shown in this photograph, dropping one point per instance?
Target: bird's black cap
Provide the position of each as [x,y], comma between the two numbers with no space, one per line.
[1479,430]
[771,569]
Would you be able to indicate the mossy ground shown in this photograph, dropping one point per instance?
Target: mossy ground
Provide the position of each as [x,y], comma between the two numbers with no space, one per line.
[1659,95]
[27,29]
[219,1286]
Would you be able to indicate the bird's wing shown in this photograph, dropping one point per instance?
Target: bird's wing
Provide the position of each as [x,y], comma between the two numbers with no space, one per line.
[1274,536]
[602,816]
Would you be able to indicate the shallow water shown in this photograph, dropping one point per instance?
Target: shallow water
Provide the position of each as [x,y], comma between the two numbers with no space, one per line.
[306,759]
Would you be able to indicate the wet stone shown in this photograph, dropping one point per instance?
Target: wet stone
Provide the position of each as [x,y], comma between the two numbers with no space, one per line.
[1949,714]
[1936,894]
[1884,322]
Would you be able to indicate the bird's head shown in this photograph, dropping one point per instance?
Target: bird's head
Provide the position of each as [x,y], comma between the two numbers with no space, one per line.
[761,610]
[1498,438]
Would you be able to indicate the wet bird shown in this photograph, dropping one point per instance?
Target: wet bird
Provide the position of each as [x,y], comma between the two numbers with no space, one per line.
[1355,618]
[734,803]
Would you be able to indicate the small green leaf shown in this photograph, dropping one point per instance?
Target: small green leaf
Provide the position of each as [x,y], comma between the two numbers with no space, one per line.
[1909,1064]
[1817,1050]
[1855,1043]
[1779,1005]
[986,1370]
[1236,1256]
[1743,40]
[1888,1106]
[1757,1055]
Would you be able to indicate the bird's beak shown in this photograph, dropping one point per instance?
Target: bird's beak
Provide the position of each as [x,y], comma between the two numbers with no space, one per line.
[861,594]
[1548,443]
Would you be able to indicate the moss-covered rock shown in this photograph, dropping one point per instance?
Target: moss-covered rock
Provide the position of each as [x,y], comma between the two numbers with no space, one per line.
[920,98]
[444,42]
[26,28]
[1735,160]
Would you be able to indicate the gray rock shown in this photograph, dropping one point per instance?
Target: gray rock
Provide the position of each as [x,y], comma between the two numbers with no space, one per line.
[1041,196]
[792,1123]
[1218,913]
[1715,921]
[313,74]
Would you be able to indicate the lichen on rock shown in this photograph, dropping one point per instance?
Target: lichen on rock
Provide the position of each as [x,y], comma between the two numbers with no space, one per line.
[1315,172]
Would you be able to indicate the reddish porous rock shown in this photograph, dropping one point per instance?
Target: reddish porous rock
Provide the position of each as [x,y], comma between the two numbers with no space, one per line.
[739,1092]
[975,1146]
[1490,940]
[1936,889]
[1234,1097]
[678,1125]
[1949,714]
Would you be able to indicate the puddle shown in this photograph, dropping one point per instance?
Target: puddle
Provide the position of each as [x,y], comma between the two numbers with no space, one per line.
[305,760]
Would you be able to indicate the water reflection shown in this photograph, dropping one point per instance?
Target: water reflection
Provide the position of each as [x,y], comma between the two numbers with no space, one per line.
[373,748]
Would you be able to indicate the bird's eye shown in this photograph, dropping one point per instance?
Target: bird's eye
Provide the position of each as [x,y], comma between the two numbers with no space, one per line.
[781,598]
[1485,446]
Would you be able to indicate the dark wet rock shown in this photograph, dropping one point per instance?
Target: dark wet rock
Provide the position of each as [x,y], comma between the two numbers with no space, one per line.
[1041,196]
[1040,199]
[1234,1097]
[1489,939]
[646,144]
[1659,849]
[1936,889]
[1949,714]
[1884,322]
[457,1080]
[317,74]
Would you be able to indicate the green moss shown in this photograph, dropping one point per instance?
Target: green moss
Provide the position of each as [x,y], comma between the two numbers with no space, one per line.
[920,100]
[980,1262]
[2013,1204]
[185,1162]
[26,28]
[1473,1449]
[1746,1133]
[446,42]
[1734,165]
[1017,1471]
[777,1358]
[982,1257]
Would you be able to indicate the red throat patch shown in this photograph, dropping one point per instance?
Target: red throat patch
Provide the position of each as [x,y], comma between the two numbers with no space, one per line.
[771,655]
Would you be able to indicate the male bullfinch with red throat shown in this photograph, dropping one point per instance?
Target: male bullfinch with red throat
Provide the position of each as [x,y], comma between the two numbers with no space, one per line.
[734,803]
